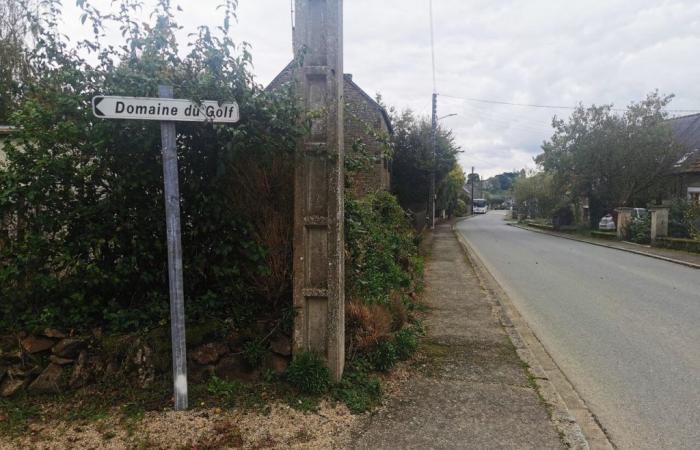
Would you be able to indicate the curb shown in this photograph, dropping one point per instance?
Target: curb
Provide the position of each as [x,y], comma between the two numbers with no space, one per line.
[571,417]
[600,244]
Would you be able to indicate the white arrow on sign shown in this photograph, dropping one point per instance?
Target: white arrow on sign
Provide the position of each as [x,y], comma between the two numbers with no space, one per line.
[163,109]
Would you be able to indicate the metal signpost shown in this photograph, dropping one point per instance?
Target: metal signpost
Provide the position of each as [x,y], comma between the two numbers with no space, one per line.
[168,110]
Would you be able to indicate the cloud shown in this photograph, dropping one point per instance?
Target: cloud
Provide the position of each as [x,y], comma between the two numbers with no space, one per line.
[535,51]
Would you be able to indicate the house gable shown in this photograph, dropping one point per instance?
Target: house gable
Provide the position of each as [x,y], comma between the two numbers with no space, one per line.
[361,111]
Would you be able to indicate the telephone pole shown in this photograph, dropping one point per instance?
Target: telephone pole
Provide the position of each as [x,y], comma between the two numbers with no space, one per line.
[433,145]
[319,241]
[472,199]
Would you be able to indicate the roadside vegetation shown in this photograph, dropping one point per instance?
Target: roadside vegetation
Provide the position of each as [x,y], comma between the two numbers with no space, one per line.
[604,159]
[413,163]
[82,240]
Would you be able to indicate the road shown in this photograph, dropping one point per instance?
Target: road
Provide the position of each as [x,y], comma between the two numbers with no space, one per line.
[624,328]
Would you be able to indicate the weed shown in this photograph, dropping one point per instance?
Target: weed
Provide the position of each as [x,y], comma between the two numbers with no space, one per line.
[89,409]
[253,353]
[17,415]
[366,325]
[434,350]
[399,311]
[304,403]
[109,435]
[132,411]
[405,343]
[131,414]
[384,356]
[358,390]
[309,374]
[227,391]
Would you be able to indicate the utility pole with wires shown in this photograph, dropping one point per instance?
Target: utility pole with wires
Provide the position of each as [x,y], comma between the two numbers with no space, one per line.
[433,135]
[472,199]
[433,145]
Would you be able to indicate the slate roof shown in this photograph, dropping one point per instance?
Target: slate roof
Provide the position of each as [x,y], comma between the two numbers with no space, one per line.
[686,131]
[286,72]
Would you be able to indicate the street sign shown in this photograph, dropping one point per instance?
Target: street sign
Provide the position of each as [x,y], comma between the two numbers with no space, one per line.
[163,109]
[168,111]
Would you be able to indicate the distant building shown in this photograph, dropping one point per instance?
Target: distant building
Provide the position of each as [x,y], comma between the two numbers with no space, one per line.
[361,112]
[686,172]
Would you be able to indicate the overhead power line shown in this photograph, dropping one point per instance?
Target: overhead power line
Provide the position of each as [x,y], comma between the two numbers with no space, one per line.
[534,105]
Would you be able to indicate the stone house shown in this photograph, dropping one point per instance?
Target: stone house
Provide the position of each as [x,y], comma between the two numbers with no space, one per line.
[686,172]
[364,120]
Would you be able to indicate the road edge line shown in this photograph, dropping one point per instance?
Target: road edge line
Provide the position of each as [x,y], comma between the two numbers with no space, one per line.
[572,418]
[600,244]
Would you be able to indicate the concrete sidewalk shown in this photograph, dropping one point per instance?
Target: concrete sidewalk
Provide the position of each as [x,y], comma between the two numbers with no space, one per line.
[471,390]
[675,256]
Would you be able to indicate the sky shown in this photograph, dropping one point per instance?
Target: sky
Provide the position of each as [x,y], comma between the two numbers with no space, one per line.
[544,52]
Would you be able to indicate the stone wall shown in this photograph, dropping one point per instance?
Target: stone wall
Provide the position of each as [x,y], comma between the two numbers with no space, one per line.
[362,112]
[55,362]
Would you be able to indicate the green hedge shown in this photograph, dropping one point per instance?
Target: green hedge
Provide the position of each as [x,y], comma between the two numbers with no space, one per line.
[610,235]
[543,226]
[690,245]
[84,241]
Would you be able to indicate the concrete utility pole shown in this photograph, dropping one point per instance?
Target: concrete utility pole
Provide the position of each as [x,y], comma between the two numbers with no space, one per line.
[433,145]
[319,247]
[472,207]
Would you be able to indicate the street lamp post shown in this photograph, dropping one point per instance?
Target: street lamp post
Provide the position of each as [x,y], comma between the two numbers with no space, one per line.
[433,143]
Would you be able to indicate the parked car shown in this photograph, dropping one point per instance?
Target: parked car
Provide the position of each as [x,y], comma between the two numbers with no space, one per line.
[607,223]
[639,213]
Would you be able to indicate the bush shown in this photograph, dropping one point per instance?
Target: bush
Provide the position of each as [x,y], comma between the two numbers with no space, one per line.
[461,208]
[309,374]
[381,252]
[84,242]
[683,219]
[639,230]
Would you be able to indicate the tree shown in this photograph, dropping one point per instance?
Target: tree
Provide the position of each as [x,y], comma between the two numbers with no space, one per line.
[536,195]
[413,158]
[613,159]
[504,181]
[452,190]
[14,65]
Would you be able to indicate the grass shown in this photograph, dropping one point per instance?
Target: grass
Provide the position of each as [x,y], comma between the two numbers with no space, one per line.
[359,389]
[17,415]
[434,350]
[531,378]
[91,405]
[227,391]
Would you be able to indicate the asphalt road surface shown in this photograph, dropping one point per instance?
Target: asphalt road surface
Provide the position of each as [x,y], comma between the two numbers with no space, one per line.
[624,328]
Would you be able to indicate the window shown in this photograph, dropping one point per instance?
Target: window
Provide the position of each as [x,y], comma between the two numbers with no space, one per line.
[694,194]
